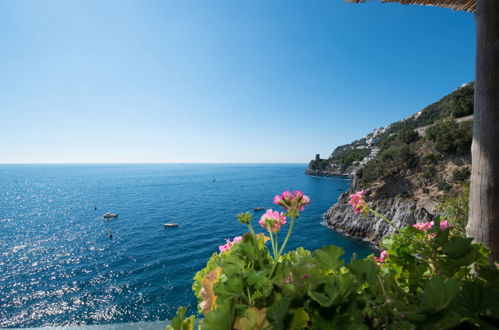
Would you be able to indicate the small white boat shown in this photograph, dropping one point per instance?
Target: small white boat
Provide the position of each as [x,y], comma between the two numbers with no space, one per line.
[174,224]
[110,215]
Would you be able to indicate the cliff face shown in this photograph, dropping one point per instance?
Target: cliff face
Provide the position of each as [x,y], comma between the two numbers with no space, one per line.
[405,173]
[330,171]
[402,211]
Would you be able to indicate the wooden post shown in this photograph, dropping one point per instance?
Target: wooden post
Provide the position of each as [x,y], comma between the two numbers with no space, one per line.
[483,223]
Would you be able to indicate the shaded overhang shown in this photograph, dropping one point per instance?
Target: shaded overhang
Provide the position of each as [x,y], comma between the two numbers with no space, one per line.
[463,5]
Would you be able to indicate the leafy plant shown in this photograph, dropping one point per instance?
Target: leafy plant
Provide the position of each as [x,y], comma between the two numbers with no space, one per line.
[451,137]
[426,278]
[443,185]
[461,174]
[408,135]
[455,210]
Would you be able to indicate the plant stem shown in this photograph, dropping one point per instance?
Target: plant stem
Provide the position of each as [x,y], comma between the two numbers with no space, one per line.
[253,235]
[277,245]
[287,236]
[250,300]
[385,219]
[255,243]
[273,246]
[381,284]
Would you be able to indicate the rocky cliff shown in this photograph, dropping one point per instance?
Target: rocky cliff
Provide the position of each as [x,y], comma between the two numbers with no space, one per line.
[402,211]
[405,174]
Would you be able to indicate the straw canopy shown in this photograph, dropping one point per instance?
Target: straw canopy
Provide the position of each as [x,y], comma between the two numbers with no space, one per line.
[464,5]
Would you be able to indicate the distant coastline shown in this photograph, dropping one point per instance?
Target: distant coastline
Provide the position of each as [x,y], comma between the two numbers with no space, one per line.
[406,168]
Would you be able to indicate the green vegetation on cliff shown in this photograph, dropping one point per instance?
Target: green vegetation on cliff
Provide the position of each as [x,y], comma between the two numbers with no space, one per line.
[347,156]
[412,143]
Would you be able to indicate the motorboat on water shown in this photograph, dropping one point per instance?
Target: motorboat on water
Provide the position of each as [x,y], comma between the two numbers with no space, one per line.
[173,224]
[258,209]
[110,215]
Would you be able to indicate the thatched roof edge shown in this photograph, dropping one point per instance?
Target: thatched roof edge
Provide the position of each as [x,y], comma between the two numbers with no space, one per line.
[463,5]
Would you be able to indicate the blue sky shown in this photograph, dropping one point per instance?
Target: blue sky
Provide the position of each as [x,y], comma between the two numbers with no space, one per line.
[217,81]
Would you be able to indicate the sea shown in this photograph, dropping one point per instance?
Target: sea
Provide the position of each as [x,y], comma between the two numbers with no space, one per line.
[59,266]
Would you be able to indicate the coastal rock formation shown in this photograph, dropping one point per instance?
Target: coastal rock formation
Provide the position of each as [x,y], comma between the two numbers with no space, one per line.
[401,211]
[406,168]
[331,171]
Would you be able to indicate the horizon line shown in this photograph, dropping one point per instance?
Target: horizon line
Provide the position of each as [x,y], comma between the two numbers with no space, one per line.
[150,163]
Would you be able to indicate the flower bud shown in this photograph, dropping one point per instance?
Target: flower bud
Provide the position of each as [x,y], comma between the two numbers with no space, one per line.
[244,218]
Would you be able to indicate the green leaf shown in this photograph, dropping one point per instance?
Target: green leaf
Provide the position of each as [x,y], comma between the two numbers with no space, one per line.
[329,257]
[278,310]
[440,321]
[233,264]
[199,277]
[260,283]
[176,322]
[321,298]
[299,318]
[189,323]
[337,292]
[232,288]
[333,320]
[365,270]
[345,285]
[253,319]
[457,247]
[220,318]
[439,293]
[478,298]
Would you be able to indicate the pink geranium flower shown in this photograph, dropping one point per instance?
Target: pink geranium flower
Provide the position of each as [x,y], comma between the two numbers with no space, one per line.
[228,244]
[359,203]
[423,226]
[291,200]
[272,220]
[444,224]
[382,257]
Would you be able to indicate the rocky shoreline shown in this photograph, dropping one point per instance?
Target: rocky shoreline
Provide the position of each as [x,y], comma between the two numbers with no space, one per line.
[336,172]
[401,211]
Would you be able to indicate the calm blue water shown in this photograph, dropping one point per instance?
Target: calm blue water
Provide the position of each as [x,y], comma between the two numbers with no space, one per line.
[59,267]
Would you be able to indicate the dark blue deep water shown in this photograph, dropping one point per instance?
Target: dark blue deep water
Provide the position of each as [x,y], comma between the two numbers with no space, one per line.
[59,267]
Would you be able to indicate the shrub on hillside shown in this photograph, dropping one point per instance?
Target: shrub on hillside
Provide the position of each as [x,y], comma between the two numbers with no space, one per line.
[348,156]
[319,164]
[371,172]
[401,155]
[408,156]
[461,174]
[455,210]
[451,137]
[429,172]
[443,185]
[408,135]
[430,158]
[390,153]
[462,102]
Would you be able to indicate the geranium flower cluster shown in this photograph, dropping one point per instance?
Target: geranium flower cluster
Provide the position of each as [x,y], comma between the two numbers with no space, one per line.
[424,226]
[359,203]
[229,244]
[272,220]
[382,257]
[292,200]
